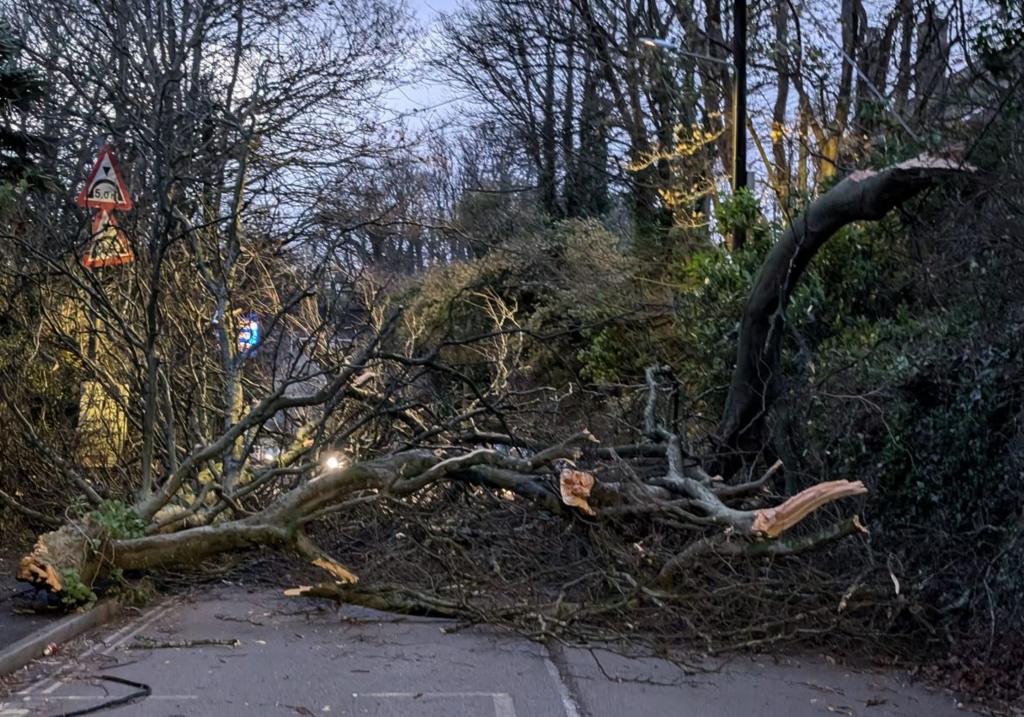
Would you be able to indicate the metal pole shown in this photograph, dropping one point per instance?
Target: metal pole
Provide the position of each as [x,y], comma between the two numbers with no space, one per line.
[739,107]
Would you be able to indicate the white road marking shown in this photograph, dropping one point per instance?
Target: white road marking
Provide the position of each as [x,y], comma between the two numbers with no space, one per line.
[153,617]
[112,643]
[568,703]
[503,704]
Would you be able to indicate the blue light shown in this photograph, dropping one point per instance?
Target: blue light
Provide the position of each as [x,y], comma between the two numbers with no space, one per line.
[248,334]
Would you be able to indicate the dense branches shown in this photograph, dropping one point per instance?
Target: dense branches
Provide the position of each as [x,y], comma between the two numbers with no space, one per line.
[334,315]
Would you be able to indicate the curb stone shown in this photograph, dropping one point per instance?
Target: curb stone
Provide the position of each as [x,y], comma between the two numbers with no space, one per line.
[30,647]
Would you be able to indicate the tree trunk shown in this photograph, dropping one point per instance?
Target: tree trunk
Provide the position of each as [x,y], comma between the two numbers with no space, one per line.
[864,195]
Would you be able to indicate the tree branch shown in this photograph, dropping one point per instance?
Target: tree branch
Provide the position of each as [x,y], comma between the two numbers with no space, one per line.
[864,195]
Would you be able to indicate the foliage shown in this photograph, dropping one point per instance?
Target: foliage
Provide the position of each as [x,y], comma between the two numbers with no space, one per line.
[565,280]
[20,88]
[932,429]
[75,593]
[494,219]
[738,211]
[118,519]
[999,42]
[860,275]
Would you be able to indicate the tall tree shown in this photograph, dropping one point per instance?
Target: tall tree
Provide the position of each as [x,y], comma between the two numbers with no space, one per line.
[20,88]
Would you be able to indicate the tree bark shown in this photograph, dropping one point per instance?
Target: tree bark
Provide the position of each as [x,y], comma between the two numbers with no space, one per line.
[864,195]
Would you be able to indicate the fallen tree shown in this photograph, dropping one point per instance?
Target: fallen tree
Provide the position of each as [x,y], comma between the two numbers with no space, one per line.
[215,497]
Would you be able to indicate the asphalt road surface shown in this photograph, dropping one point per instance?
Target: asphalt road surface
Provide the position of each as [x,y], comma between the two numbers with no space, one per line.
[234,652]
[15,598]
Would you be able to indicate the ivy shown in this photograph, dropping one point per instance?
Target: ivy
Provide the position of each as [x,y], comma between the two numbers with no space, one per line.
[118,519]
[75,593]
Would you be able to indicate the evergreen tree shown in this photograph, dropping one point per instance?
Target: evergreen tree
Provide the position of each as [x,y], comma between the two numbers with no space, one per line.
[20,87]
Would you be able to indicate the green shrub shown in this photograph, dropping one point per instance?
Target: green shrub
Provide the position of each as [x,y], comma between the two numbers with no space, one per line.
[118,519]
[75,593]
[739,211]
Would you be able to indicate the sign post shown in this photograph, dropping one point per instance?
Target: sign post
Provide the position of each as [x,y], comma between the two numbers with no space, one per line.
[109,246]
[105,187]
[102,423]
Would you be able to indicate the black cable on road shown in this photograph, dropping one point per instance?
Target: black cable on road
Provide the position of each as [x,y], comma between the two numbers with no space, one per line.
[143,691]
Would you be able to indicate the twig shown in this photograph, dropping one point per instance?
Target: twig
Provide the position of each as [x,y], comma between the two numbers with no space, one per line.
[28,512]
[145,643]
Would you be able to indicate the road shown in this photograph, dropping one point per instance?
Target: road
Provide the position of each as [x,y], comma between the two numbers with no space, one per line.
[299,658]
[15,624]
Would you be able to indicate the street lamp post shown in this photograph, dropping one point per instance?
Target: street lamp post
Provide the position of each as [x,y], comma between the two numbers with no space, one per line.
[739,98]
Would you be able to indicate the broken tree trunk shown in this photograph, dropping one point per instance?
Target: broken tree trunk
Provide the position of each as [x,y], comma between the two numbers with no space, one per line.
[864,195]
[86,549]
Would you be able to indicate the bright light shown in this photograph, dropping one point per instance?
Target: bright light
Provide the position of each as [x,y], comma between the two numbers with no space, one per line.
[248,334]
[657,42]
[332,463]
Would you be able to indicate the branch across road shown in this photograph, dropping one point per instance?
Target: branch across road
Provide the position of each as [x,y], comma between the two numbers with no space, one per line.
[297,658]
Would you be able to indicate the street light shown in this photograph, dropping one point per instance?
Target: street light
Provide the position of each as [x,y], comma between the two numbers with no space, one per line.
[659,43]
[332,462]
[739,99]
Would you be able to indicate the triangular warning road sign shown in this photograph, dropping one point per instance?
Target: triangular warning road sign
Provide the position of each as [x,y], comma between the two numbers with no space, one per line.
[109,246]
[105,188]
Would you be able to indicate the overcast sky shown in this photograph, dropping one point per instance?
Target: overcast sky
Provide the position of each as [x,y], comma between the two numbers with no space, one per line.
[421,97]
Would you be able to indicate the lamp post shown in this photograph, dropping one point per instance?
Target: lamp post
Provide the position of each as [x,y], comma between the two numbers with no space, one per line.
[739,98]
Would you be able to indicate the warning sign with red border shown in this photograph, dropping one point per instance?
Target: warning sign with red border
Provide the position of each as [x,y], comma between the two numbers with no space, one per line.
[109,245]
[105,187]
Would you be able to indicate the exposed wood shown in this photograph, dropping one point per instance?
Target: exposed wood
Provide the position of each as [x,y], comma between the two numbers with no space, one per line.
[575,487]
[773,522]
[71,547]
[322,560]
[36,569]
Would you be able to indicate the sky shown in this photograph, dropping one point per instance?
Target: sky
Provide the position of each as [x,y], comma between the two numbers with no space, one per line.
[422,101]
[421,98]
